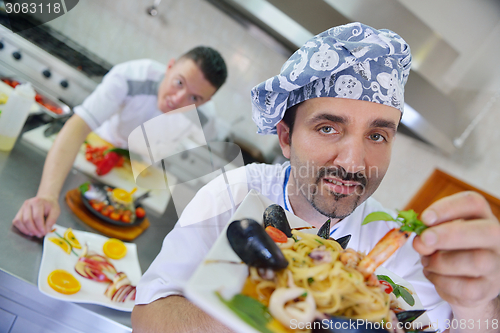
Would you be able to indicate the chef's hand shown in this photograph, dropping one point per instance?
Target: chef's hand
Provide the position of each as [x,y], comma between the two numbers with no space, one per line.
[461,252]
[37,216]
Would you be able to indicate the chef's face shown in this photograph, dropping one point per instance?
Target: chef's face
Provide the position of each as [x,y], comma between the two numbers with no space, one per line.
[339,152]
[184,84]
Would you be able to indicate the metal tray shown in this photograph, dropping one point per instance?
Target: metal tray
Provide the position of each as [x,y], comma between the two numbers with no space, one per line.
[44,98]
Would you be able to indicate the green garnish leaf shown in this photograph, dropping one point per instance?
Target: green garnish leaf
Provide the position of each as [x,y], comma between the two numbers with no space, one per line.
[84,187]
[406,218]
[377,216]
[406,295]
[396,291]
[387,279]
[310,280]
[250,311]
[304,294]
[319,241]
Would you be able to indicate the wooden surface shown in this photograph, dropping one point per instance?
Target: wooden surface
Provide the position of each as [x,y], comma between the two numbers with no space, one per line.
[74,201]
[440,185]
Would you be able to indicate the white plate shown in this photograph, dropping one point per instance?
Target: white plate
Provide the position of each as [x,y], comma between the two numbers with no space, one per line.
[91,292]
[228,278]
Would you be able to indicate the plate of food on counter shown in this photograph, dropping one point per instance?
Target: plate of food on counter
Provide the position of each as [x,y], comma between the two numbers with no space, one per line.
[83,267]
[270,271]
[113,205]
[49,105]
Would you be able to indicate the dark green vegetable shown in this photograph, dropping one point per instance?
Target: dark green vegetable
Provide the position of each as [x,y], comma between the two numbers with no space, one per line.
[406,218]
[84,187]
[250,311]
[399,290]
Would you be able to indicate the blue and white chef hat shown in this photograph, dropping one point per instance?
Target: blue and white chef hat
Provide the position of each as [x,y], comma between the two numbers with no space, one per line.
[350,61]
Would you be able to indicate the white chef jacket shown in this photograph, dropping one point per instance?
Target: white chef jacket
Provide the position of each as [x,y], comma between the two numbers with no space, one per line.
[185,247]
[128,96]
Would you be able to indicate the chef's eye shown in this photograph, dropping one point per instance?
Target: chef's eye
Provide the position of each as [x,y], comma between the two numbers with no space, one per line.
[194,99]
[178,83]
[377,137]
[327,129]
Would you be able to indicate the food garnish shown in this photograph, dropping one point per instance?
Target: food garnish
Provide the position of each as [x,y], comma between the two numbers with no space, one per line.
[61,243]
[72,240]
[396,289]
[67,242]
[407,219]
[114,249]
[120,290]
[63,282]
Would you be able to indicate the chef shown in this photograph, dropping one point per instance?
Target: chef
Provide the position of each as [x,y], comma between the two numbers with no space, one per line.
[129,95]
[335,107]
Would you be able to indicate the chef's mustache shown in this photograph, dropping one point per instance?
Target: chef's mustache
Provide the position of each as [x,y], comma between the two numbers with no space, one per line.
[342,174]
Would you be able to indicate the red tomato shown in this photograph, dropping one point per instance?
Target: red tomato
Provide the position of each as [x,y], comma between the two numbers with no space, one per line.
[140,212]
[98,205]
[386,286]
[115,215]
[126,218]
[106,211]
[277,235]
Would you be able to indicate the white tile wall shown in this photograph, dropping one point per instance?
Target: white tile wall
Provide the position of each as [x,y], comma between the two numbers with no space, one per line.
[121,30]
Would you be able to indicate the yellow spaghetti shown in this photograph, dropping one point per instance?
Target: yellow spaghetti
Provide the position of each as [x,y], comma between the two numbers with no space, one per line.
[316,280]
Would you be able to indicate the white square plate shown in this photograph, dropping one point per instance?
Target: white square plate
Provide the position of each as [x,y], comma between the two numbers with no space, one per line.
[217,274]
[91,291]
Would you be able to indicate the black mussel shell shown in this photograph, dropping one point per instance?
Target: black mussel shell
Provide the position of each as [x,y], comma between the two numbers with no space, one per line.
[275,216]
[346,325]
[254,246]
[343,241]
[324,231]
[409,316]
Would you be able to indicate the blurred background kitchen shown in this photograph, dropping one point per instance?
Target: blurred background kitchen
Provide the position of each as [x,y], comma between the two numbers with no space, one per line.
[453,88]
[453,92]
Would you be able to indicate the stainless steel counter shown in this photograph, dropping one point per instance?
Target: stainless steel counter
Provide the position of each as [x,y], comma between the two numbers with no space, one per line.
[20,174]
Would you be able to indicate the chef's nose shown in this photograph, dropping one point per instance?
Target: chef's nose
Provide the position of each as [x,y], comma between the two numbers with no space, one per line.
[179,98]
[351,155]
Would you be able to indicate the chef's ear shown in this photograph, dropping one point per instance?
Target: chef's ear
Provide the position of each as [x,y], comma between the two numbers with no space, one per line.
[284,138]
[170,63]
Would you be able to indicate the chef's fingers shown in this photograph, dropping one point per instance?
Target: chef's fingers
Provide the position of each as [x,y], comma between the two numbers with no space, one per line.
[18,223]
[463,291]
[27,219]
[459,235]
[463,205]
[38,216]
[468,263]
[53,214]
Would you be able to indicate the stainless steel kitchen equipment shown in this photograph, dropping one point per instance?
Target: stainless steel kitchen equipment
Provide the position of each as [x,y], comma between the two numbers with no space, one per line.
[55,66]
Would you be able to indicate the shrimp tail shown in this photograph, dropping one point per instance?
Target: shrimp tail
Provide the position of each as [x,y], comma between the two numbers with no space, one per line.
[392,241]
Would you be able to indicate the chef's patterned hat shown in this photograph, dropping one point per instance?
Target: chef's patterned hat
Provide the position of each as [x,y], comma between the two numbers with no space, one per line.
[350,61]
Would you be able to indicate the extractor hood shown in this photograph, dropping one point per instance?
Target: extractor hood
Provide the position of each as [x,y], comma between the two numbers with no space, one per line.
[430,115]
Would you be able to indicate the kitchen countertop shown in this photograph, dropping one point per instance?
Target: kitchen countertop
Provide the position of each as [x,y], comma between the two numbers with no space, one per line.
[20,174]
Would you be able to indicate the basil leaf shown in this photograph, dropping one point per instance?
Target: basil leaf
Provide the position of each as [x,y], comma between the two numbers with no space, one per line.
[250,311]
[377,216]
[405,294]
[397,291]
[387,279]
[407,215]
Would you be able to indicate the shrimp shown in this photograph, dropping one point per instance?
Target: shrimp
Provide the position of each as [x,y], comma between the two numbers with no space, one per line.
[392,241]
